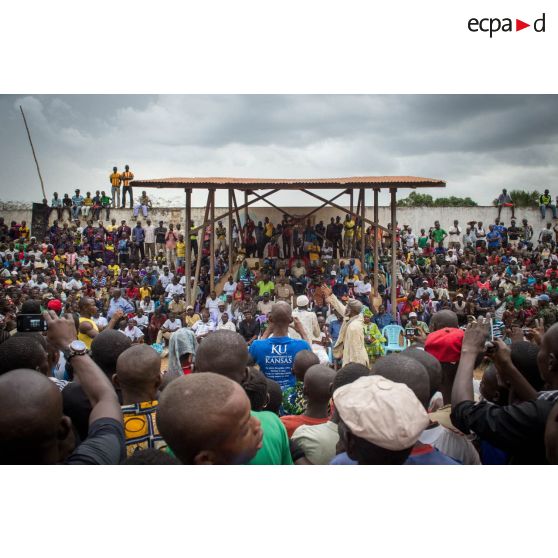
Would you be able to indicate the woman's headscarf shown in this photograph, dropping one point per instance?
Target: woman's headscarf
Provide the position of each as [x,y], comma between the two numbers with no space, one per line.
[367,313]
[182,341]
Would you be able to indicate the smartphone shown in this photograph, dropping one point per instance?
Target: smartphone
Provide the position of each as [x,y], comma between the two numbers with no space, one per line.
[410,331]
[31,323]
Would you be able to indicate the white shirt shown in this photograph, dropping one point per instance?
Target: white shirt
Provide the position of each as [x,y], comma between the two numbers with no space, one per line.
[453,231]
[148,308]
[363,288]
[74,284]
[229,288]
[142,321]
[134,333]
[101,322]
[149,234]
[172,290]
[172,326]
[212,305]
[309,321]
[166,279]
[411,238]
[201,328]
[229,325]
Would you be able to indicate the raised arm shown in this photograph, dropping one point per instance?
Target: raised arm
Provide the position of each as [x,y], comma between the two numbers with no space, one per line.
[104,401]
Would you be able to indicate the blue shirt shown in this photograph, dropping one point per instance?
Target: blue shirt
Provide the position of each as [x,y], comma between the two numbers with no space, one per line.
[122,304]
[382,320]
[275,357]
[421,455]
[138,234]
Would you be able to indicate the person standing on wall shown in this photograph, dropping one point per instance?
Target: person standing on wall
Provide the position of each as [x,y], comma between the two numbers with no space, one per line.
[115,181]
[127,177]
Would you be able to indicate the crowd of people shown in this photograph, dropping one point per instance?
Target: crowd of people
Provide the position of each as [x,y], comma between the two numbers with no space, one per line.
[293,357]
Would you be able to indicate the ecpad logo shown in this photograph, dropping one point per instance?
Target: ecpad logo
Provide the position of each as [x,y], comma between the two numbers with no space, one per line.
[494,25]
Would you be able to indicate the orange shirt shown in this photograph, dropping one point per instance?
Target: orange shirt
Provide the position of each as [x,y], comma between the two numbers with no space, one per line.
[292,422]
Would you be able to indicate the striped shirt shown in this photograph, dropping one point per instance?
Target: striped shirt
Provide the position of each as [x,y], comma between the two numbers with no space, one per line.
[115,179]
[127,176]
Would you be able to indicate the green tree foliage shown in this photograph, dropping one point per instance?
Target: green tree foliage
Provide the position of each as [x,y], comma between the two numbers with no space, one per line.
[521,198]
[416,199]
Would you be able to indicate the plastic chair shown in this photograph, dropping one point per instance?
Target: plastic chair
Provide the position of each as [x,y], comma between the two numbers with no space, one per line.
[392,333]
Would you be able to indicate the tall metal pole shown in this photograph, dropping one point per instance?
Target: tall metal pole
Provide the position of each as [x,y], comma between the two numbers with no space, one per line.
[230,233]
[362,230]
[33,150]
[375,242]
[393,253]
[212,243]
[188,266]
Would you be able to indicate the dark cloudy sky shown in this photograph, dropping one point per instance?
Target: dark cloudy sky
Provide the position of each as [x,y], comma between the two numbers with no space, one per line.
[478,144]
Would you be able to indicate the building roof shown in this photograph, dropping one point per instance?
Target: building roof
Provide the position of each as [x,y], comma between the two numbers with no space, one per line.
[292,183]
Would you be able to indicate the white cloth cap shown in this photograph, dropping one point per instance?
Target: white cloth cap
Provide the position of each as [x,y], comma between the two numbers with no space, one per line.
[302,300]
[382,412]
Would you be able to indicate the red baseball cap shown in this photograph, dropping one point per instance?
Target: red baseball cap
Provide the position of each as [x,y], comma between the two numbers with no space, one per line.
[55,305]
[445,344]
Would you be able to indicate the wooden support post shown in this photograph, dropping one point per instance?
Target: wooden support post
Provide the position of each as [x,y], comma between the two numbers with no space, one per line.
[188,242]
[212,243]
[200,246]
[393,208]
[238,223]
[246,206]
[229,238]
[375,242]
[352,200]
[362,229]
[340,208]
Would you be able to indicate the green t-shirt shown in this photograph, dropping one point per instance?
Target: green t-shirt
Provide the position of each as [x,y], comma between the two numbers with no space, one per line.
[265,287]
[275,449]
[438,234]
[105,200]
[517,302]
[423,241]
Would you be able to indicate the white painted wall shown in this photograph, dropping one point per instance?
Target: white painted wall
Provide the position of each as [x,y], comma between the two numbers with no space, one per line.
[416,217]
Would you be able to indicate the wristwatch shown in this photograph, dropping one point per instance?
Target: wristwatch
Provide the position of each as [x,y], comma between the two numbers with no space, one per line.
[76,348]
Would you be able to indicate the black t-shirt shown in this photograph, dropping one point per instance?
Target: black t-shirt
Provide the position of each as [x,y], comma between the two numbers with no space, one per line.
[513,233]
[105,445]
[160,233]
[516,429]
[248,330]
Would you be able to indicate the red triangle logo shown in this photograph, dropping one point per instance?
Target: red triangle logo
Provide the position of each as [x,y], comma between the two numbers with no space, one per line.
[519,25]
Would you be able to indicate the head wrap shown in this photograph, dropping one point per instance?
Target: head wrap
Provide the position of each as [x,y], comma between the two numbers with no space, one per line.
[182,341]
[355,305]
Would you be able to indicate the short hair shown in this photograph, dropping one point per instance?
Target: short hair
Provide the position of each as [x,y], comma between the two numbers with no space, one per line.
[442,319]
[303,360]
[21,351]
[31,306]
[151,456]
[223,352]
[524,358]
[255,387]
[349,374]
[432,365]
[187,409]
[405,370]
[107,347]
[275,396]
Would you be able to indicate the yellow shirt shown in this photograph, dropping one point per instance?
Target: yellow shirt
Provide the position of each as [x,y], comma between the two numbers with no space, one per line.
[268,229]
[85,338]
[180,250]
[144,291]
[127,177]
[349,227]
[114,269]
[88,202]
[115,179]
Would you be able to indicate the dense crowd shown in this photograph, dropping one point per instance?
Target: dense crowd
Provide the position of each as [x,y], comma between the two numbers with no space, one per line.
[292,357]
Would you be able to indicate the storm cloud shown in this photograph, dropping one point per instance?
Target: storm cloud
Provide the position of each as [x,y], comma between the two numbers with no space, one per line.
[477,143]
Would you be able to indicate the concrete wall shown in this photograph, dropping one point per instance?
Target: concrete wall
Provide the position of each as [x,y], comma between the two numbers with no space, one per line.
[416,217]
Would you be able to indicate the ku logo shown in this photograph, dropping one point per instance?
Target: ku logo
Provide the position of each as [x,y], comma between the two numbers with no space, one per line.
[279,349]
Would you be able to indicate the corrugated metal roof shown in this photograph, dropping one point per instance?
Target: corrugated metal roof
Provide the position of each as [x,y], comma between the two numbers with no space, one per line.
[292,183]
